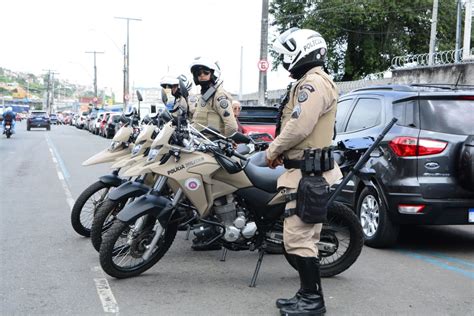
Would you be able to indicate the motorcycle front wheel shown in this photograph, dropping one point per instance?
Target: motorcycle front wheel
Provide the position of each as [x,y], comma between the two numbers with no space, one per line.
[122,248]
[340,243]
[103,220]
[84,208]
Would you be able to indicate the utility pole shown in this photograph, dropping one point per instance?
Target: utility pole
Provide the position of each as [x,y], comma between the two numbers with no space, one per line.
[467,31]
[434,23]
[262,78]
[241,71]
[457,48]
[126,95]
[50,102]
[95,74]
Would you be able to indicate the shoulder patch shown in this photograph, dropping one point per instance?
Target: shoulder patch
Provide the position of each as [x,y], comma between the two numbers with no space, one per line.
[222,97]
[302,96]
[226,114]
[224,103]
[308,87]
[296,111]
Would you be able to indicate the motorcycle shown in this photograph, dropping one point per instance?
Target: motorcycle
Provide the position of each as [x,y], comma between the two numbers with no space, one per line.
[8,129]
[86,204]
[235,195]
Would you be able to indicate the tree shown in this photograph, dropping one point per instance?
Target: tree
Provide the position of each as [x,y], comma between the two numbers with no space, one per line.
[364,35]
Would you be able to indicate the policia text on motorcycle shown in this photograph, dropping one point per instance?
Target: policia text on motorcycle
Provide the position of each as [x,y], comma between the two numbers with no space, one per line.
[305,130]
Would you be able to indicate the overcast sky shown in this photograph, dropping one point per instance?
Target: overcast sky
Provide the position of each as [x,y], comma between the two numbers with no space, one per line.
[49,34]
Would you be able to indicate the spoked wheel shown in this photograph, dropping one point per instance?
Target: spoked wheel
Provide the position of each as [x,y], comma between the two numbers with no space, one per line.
[85,207]
[123,247]
[340,243]
[103,220]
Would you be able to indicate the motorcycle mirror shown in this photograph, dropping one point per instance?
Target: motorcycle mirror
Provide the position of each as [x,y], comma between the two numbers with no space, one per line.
[183,89]
[139,96]
[164,97]
[240,138]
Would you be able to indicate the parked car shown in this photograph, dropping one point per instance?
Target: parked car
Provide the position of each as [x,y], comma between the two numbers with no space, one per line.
[424,166]
[53,118]
[113,125]
[38,119]
[258,119]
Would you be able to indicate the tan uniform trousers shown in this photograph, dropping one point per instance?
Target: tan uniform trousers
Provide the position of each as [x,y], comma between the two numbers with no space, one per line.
[299,237]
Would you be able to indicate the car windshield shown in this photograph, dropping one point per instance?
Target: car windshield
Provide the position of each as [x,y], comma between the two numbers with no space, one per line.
[38,114]
[448,116]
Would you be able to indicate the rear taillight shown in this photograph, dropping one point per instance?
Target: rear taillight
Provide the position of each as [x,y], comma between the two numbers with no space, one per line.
[411,146]
[466,97]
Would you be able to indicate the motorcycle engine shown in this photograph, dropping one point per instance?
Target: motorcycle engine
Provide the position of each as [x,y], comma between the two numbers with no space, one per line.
[234,220]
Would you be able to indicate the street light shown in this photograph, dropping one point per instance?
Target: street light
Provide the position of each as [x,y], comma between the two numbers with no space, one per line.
[126,95]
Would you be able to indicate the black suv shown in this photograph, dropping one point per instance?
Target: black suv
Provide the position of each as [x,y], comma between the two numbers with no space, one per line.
[38,119]
[425,164]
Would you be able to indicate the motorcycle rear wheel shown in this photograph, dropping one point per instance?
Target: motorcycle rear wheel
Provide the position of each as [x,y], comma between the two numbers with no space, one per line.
[344,232]
[112,253]
[86,204]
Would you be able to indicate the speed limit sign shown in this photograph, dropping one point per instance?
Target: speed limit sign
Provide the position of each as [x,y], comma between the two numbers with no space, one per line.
[263,65]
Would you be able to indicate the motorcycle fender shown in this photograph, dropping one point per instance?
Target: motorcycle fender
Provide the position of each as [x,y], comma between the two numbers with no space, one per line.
[112,179]
[127,190]
[159,206]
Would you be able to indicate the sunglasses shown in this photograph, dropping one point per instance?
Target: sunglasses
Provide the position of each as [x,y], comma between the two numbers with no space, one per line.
[203,72]
[168,86]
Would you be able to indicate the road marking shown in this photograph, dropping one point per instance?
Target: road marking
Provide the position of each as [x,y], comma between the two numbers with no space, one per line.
[109,304]
[61,170]
[441,264]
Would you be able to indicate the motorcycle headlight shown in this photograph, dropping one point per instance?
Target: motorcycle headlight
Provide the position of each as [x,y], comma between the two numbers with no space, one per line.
[136,149]
[114,146]
[152,155]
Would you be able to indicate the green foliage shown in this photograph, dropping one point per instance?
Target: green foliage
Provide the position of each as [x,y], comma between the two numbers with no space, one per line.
[364,35]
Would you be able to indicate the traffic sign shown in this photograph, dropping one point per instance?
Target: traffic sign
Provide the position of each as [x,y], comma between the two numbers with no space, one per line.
[263,65]
[126,97]
[94,99]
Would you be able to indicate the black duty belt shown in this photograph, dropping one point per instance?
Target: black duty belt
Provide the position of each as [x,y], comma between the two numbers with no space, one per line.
[314,161]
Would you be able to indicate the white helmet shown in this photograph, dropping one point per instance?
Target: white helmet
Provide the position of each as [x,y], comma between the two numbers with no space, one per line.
[168,81]
[206,63]
[9,109]
[300,47]
[188,84]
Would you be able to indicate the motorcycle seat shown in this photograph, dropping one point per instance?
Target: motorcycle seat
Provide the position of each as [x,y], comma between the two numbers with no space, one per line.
[261,175]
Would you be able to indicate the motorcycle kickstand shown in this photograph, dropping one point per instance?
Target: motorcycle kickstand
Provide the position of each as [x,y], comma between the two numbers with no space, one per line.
[261,252]
[223,254]
[188,232]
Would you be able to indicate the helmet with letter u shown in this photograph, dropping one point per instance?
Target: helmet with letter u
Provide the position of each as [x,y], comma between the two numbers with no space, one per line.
[300,49]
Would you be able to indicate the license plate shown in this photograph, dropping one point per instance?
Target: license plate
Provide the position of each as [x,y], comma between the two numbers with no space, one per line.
[471,215]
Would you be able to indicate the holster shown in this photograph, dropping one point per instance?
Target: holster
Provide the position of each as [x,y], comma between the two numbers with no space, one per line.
[313,189]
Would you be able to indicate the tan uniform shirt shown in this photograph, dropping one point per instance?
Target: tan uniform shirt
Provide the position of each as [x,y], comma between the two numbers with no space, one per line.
[216,113]
[193,104]
[307,122]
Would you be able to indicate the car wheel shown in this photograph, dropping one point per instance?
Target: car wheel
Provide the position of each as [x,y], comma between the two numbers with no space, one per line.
[28,128]
[379,230]
[48,128]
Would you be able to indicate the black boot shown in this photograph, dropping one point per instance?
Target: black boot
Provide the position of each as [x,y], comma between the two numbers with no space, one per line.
[310,299]
[284,302]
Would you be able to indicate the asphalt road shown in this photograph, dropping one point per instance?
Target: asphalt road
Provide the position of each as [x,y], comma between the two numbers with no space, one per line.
[47,269]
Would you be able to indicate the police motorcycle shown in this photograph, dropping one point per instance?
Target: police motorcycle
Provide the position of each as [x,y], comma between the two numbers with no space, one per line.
[119,150]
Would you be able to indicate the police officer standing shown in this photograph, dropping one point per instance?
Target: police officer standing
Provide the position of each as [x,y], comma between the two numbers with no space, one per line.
[307,121]
[214,107]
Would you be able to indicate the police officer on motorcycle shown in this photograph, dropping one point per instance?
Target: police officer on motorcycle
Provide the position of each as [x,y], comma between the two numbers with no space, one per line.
[214,107]
[307,121]
[9,116]
[170,82]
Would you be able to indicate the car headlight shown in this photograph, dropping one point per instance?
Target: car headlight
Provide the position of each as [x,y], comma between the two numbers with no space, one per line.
[136,149]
